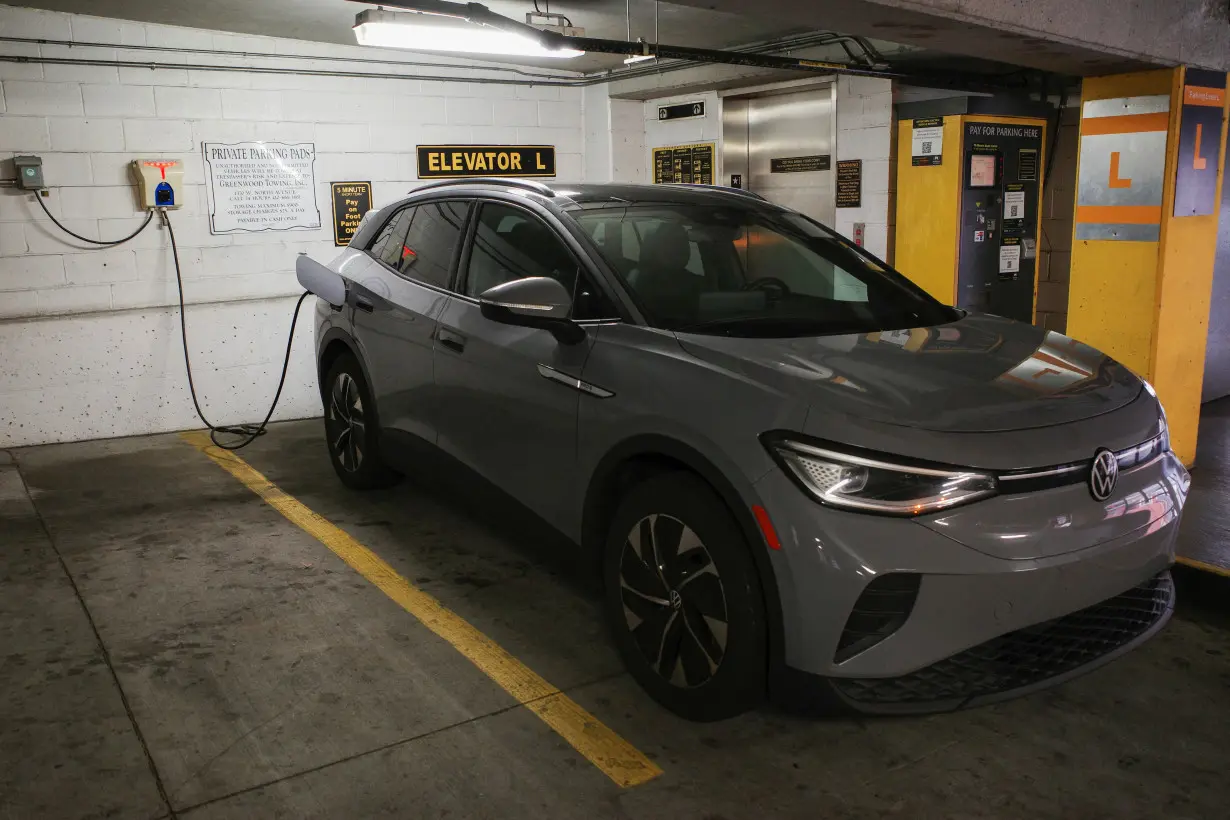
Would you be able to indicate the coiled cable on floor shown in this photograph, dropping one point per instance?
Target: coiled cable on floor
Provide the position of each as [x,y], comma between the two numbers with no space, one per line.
[248,432]
[103,243]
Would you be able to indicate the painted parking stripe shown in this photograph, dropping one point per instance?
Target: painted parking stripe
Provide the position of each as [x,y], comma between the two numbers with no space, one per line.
[1201,565]
[613,755]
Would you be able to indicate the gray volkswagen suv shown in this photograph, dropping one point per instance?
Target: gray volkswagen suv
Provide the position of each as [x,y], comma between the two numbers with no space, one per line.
[799,471]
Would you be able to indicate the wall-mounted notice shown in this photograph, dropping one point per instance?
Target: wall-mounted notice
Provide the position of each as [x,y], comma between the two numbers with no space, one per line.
[351,200]
[793,165]
[1014,202]
[927,142]
[1204,98]
[261,186]
[683,163]
[849,183]
[1009,261]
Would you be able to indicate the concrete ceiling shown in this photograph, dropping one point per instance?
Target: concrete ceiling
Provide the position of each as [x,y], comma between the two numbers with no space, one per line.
[330,21]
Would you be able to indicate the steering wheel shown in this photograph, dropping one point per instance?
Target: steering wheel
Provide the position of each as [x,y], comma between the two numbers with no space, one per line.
[769,283]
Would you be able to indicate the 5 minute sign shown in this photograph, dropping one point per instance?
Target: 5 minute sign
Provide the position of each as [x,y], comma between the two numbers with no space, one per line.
[351,200]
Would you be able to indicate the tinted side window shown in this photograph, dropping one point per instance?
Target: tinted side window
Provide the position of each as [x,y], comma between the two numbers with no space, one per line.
[512,244]
[427,251]
[388,241]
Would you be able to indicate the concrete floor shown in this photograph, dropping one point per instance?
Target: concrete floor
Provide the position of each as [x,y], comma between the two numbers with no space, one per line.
[172,646]
[1205,537]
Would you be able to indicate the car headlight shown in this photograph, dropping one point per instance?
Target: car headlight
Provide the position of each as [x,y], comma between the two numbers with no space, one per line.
[1161,411]
[878,486]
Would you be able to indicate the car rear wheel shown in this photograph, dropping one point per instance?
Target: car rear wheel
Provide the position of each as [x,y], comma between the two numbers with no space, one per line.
[350,430]
[683,599]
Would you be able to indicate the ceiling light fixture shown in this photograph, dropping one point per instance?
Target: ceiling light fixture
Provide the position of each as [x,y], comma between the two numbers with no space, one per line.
[425,31]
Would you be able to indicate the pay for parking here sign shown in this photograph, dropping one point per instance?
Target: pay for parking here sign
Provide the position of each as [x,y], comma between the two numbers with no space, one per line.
[446,161]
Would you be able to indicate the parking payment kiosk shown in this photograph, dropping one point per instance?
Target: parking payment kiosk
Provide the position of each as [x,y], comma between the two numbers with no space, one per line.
[969,211]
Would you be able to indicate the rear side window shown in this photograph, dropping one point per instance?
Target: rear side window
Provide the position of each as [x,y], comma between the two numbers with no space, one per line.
[426,253]
[388,242]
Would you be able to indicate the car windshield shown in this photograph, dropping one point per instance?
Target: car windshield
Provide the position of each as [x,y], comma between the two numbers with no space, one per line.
[740,271]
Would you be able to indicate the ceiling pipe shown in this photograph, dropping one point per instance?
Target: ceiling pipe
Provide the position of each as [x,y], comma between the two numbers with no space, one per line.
[481,15]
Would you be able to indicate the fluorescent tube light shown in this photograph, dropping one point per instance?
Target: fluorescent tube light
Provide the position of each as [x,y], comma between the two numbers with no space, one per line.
[640,58]
[421,32]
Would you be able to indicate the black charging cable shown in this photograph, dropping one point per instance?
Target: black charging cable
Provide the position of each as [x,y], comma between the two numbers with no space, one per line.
[80,238]
[248,432]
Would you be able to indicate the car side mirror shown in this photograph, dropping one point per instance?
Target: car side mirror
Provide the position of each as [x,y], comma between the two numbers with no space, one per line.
[536,301]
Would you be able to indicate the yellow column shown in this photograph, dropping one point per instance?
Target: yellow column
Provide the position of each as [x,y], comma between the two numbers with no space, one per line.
[1142,274]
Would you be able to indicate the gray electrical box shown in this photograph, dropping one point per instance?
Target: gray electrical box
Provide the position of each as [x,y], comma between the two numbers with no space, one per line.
[29,172]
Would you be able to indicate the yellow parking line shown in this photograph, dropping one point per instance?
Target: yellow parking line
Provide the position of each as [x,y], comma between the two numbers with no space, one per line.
[1201,565]
[613,755]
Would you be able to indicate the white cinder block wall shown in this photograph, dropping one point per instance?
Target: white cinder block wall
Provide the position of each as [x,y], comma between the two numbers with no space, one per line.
[90,343]
[865,131]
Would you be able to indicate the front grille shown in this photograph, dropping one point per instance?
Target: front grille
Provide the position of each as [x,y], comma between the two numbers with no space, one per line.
[880,611]
[1077,472]
[1020,660]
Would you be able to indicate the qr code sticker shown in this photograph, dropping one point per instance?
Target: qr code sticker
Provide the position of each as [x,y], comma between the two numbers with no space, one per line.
[1014,212]
[926,147]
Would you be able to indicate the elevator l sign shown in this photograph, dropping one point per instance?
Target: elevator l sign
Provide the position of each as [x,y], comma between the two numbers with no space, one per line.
[452,161]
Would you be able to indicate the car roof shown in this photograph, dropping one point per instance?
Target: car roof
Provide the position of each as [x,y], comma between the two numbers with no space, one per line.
[589,192]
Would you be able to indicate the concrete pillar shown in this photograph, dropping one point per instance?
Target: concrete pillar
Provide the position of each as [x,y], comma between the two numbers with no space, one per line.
[1145,234]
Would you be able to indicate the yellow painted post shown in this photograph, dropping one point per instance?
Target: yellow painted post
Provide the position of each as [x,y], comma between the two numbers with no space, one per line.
[929,213]
[1141,276]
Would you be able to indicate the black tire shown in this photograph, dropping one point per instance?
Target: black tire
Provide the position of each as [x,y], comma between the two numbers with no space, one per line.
[353,441]
[688,669]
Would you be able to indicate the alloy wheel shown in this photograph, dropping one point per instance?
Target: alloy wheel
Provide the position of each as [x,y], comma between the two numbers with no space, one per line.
[673,600]
[346,423]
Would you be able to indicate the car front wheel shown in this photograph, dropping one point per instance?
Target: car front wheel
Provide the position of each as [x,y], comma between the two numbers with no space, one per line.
[683,599]
[350,429]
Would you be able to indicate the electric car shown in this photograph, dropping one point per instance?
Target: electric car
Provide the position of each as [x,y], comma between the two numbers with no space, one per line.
[797,470]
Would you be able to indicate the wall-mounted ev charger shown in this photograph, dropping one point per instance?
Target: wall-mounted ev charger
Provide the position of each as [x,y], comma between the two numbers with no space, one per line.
[159,182]
[160,185]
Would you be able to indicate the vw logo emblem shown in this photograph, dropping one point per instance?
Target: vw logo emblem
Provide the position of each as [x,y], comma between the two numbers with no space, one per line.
[676,599]
[1104,474]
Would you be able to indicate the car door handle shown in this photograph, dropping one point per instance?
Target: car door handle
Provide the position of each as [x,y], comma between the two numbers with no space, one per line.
[363,305]
[451,340]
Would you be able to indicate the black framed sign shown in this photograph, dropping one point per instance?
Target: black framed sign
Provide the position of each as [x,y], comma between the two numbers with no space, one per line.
[455,161]
[849,183]
[794,165]
[351,200]
[684,163]
[681,111]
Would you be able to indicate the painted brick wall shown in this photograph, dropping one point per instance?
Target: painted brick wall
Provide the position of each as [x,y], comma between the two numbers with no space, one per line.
[865,131]
[91,346]
[1058,212]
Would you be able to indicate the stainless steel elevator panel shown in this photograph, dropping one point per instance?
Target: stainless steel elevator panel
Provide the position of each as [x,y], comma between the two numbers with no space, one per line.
[783,126]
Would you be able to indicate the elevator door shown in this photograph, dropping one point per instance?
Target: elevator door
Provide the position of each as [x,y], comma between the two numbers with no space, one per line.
[793,131]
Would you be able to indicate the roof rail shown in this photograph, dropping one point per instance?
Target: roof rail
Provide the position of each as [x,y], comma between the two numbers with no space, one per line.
[529,184]
[726,189]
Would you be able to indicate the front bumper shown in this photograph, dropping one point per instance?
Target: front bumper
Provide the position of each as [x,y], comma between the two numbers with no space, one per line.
[968,597]
[1020,662]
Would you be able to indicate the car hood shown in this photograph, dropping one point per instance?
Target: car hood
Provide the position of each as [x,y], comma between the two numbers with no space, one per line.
[979,374]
